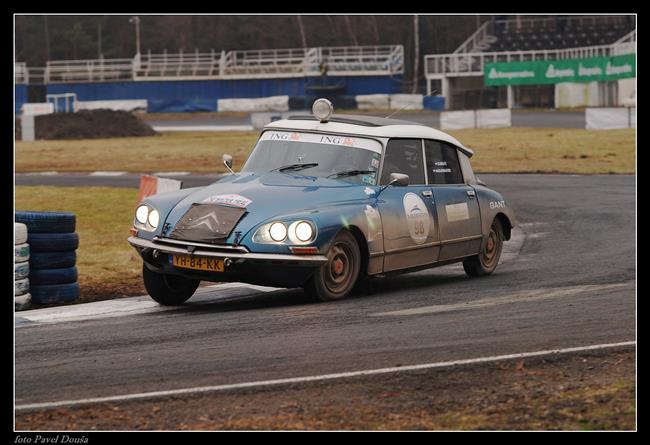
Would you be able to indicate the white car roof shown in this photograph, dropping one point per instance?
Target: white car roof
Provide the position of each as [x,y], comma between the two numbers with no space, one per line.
[366,126]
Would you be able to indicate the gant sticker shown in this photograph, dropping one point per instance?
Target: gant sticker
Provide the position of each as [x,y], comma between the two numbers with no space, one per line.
[229,200]
[457,212]
[417,217]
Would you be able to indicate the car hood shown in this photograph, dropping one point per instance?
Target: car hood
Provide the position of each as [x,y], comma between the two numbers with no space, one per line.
[268,195]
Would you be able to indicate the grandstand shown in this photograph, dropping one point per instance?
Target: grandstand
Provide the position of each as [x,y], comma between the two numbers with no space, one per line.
[459,75]
[194,81]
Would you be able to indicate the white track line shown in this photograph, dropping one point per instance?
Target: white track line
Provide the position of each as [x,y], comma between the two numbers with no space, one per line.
[163,128]
[342,375]
[107,173]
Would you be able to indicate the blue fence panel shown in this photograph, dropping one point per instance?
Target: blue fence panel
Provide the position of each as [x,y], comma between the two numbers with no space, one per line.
[21,97]
[202,95]
[434,102]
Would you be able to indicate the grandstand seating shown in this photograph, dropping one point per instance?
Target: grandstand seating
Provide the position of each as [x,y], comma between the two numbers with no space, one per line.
[557,33]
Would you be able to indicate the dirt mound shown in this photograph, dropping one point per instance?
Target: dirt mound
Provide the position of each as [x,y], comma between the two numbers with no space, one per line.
[91,124]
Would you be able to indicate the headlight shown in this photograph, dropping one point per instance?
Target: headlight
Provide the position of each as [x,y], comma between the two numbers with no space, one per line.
[304,231]
[154,218]
[278,231]
[141,214]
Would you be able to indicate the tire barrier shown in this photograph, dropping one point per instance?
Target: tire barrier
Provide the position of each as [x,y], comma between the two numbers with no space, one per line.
[20,233]
[55,293]
[51,245]
[47,222]
[53,276]
[23,302]
[21,253]
[21,287]
[53,260]
[53,242]
[21,268]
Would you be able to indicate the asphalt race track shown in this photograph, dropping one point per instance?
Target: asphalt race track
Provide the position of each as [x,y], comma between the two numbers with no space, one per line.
[566,280]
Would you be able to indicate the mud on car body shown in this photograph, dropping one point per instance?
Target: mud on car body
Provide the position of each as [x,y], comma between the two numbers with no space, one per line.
[324,202]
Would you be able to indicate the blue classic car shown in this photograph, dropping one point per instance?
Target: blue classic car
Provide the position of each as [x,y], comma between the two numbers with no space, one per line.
[325,202]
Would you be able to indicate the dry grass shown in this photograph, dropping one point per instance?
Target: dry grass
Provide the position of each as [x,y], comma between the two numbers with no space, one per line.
[530,150]
[108,267]
[196,152]
[550,150]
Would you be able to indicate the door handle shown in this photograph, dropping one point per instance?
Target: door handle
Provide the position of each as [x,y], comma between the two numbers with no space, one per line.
[427,193]
[471,193]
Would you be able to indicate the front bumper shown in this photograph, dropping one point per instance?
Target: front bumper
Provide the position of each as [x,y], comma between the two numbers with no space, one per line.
[237,254]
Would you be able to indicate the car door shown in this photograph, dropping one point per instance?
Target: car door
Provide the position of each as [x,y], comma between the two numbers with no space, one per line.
[456,204]
[408,213]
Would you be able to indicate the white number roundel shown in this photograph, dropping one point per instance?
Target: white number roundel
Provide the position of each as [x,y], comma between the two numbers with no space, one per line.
[417,217]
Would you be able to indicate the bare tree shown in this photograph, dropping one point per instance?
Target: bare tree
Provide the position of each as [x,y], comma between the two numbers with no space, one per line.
[351,32]
[416,61]
[302,31]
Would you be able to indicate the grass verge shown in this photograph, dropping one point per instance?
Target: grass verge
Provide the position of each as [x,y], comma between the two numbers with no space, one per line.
[108,267]
[505,150]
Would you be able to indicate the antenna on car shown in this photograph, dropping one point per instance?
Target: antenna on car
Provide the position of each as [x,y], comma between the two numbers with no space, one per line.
[433,93]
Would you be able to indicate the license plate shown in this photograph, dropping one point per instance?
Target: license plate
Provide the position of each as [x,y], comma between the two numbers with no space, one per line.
[198,263]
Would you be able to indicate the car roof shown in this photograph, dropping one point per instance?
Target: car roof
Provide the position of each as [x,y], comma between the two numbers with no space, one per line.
[367,126]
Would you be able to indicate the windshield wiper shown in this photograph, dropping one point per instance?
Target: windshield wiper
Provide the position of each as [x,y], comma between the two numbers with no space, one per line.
[351,173]
[296,167]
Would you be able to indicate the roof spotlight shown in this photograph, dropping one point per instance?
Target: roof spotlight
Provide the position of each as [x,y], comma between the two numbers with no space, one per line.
[322,109]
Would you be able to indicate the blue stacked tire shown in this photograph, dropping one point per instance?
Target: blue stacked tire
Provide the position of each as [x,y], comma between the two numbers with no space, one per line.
[52,241]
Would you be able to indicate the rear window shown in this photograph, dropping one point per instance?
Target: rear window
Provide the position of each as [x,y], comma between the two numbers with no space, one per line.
[442,163]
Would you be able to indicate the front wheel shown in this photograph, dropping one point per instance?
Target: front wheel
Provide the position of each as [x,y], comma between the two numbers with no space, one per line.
[166,289]
[336,278]
[486,261]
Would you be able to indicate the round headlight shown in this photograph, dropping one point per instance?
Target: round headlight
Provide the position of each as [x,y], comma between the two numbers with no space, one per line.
[278,231]
[154,218]
[141,214]
[322,109]
[304,231]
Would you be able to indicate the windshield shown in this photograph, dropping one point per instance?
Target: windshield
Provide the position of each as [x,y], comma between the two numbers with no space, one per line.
[344,158]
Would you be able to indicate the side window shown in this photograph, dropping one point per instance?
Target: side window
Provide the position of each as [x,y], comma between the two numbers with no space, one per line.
[442,163]
[403,156]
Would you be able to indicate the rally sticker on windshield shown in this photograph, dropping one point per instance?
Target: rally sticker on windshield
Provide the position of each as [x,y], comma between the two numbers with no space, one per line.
[320,138]
[417,217]
[229,200]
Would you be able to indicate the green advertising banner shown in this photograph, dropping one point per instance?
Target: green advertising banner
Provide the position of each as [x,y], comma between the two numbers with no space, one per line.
[556,71]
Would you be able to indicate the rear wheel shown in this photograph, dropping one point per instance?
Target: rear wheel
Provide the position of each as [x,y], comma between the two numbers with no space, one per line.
[166,289]
[486,261]
[336,278]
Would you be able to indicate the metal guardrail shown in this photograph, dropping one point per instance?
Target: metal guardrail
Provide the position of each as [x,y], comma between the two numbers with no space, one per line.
[21,75]
[361,60]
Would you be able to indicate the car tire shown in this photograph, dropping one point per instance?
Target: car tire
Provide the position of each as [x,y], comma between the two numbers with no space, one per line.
[487,260]
[54,293]
[167,289]
[23,302]
[335,279]
[21,253]
[21,287]
[21,270]
[53,242]
[20,233]
[53,276]
[47,222]
[52,260]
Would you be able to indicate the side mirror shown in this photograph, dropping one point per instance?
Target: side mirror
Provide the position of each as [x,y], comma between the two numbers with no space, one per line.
[227,161]
[399,179]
